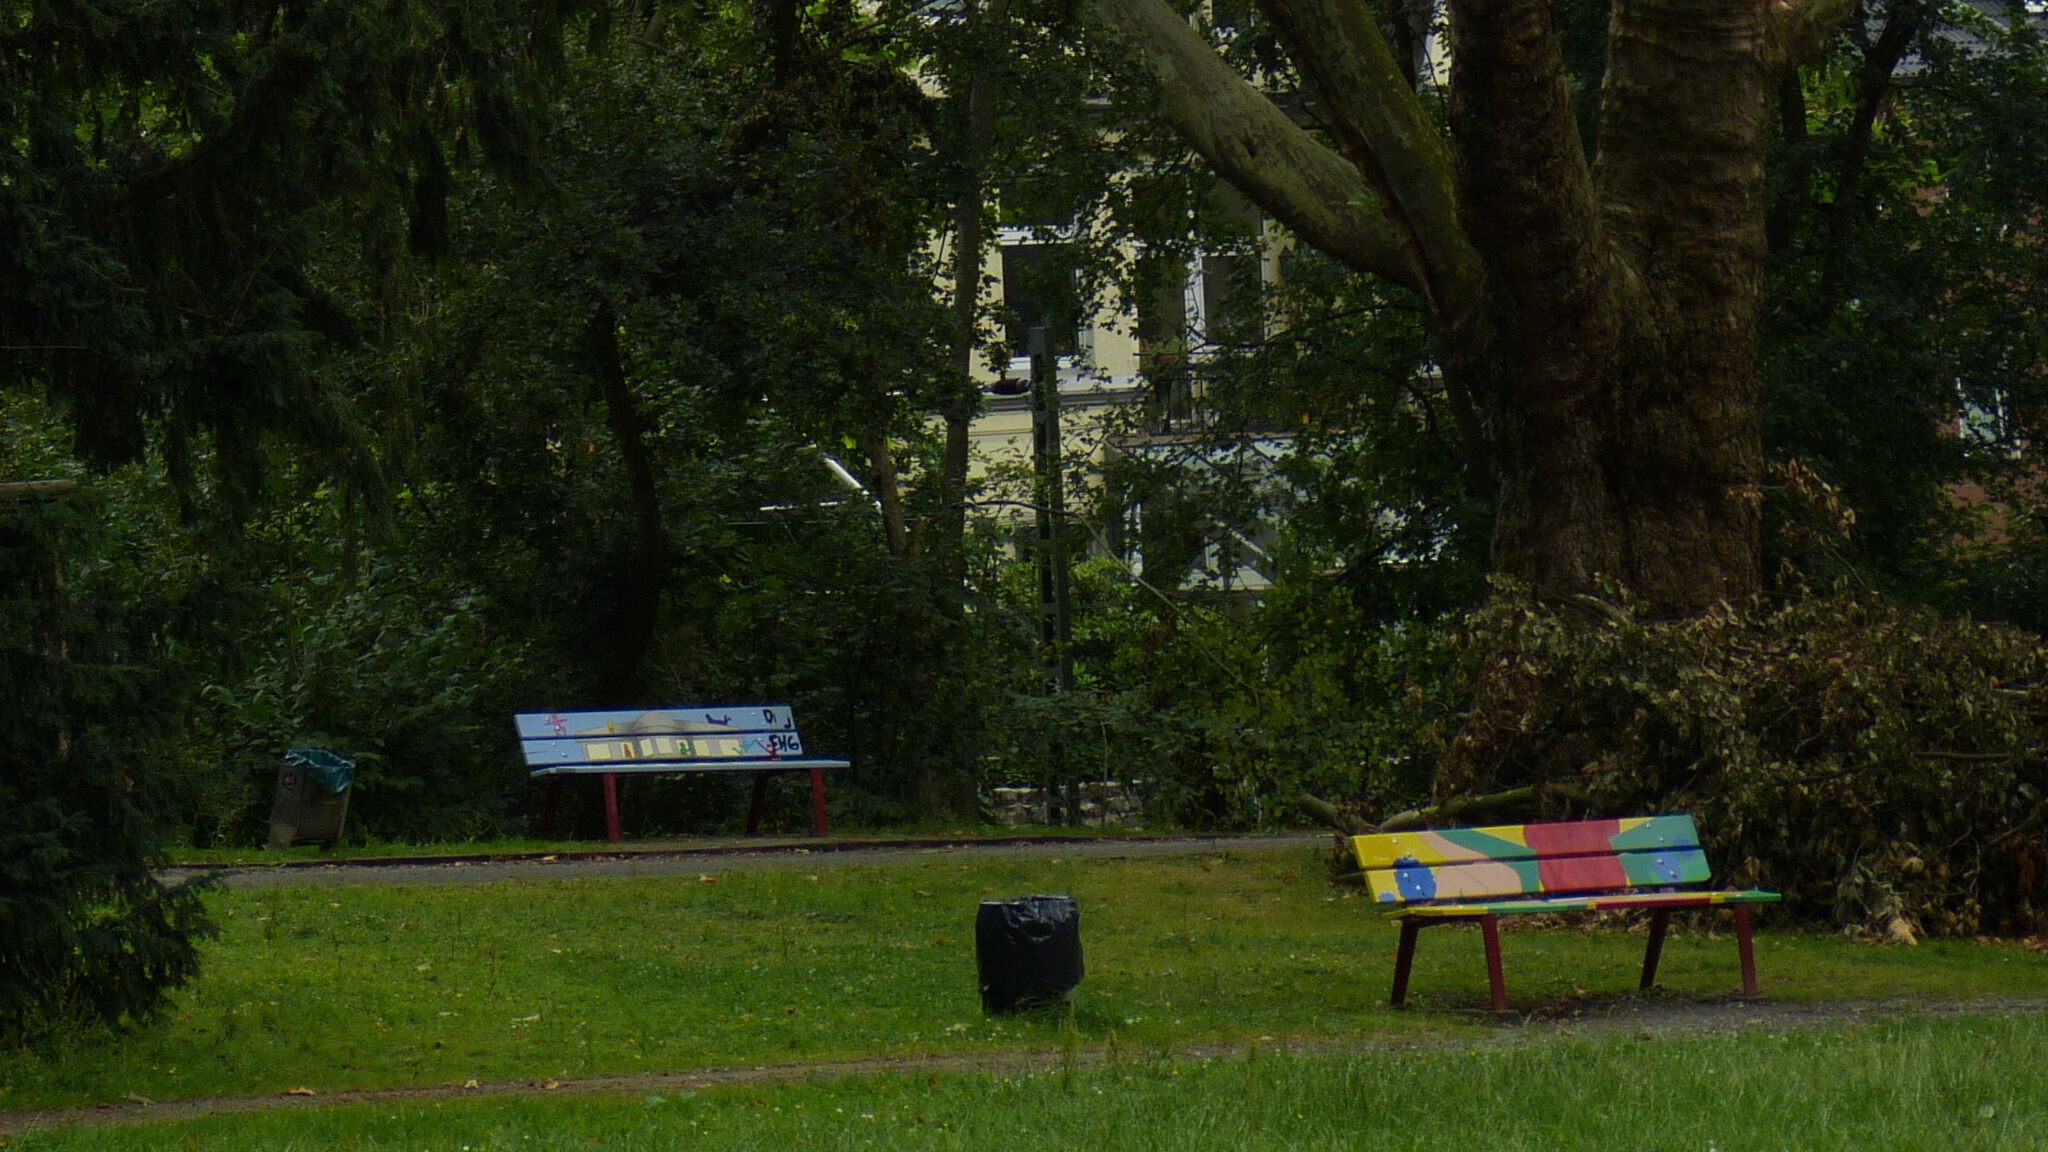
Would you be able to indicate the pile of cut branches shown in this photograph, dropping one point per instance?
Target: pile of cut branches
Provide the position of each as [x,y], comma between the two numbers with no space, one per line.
[1883,766]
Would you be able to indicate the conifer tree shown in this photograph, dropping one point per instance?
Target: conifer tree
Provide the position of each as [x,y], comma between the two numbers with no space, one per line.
[86,929]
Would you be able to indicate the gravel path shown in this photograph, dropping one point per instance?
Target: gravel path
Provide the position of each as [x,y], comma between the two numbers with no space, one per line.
[704,857]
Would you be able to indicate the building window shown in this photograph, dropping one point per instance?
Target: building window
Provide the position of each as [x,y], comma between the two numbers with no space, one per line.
[1037,200]
[1039,291]
[1229,16]
[1230,298]
[1161,289]
[1985,420]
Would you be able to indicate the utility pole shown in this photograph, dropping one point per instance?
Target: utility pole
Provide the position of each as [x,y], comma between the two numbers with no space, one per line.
[1055,632]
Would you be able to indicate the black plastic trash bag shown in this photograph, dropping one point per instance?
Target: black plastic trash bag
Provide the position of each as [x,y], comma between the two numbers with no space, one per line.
[1028,950]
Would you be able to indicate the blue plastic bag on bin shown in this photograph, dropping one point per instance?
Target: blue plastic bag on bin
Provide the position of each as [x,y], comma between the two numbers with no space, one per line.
[334,771]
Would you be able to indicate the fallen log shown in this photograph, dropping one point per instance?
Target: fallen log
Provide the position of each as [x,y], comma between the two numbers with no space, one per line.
[12,490]
[1516,802]
[1332,815]
[1521,801]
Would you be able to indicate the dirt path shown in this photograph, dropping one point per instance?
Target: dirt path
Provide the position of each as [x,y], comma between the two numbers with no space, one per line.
[1661,1015]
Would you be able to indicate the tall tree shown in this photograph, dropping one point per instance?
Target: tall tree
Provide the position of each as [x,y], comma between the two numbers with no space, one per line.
[1905,329]
[159,178]
[161,172]
[1598,310]
[87,930]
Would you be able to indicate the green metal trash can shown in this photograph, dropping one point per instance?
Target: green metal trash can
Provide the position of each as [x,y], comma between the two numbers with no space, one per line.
[312,798]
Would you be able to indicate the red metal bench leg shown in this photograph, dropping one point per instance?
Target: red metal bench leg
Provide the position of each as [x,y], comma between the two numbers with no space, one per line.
[1404,959]
[1745,948]
[759,805]
[1489,926]
[1659,921]
[817,801]
[547,808]
[611,807]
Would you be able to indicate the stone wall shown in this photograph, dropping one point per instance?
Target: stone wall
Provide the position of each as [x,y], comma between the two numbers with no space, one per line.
[1101,803]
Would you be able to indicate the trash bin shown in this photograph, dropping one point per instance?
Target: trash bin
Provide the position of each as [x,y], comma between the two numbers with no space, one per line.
[312,798]
[1028,951]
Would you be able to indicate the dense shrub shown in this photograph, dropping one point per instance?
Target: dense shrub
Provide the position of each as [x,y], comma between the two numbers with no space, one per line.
[87,932]
[1227,712]
[397,667]
[1883,766]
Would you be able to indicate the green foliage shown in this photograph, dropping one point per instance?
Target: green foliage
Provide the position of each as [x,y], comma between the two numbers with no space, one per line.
[1224,715]
[87,932]
[1883,766]
[162,175]
[656,523]
[1317,440]
[1906,307]
[1311,696]
[390,659]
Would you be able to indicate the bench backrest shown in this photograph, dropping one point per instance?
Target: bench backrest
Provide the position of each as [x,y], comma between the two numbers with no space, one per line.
[1451,864]
[707,736]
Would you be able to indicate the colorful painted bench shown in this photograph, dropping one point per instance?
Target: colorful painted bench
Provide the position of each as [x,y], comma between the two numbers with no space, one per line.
[1458,875]
[760,739]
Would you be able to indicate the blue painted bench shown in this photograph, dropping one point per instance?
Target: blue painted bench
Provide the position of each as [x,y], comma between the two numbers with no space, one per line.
[756,739]
[1462,875]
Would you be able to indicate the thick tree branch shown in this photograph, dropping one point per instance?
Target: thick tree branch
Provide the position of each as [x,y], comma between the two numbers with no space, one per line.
[629,628]
[1315,192]
[1686,110]
[1902,24]
[1526,187]
[888,492]
[1527,203]
[1395,217]
[1796,30]
[35,489]
[1798,170]
[1685,116]
[1345,60]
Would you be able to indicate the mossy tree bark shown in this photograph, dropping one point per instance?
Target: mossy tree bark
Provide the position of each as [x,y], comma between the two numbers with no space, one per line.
[627,629]
[1598,314]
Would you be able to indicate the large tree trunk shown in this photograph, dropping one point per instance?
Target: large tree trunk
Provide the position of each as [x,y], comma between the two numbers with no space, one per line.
[887,491]
[1684,127]
[1625,293]
[1603,313]
[977,113]
[628,625]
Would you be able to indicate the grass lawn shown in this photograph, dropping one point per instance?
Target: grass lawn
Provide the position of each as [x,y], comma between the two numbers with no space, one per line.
[1902,1085]
[361,987]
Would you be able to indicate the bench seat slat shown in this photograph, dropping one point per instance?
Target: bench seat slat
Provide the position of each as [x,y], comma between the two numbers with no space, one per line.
[1587,903]
[1513,841]
[1409,881]
[732,718]
[625,750]
[674,767]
